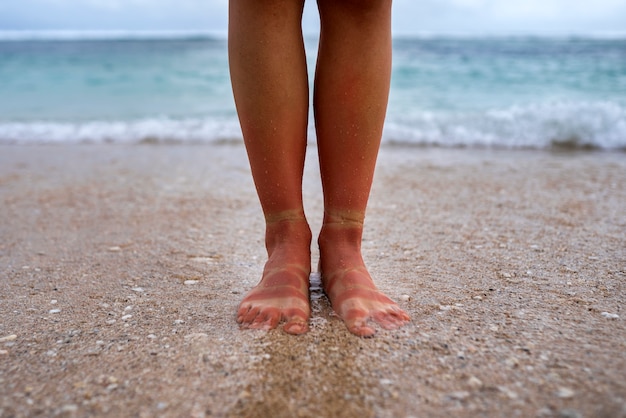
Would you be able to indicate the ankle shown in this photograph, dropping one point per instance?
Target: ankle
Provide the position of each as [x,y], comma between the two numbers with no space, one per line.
[340,245]
[291,232]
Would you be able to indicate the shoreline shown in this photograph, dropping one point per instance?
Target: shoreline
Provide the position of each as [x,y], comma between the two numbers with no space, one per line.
[121,268]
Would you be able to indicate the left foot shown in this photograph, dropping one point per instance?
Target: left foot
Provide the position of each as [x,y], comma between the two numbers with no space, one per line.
[348,284]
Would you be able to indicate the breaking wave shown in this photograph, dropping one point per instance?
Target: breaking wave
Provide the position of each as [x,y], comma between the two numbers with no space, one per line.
[599,125]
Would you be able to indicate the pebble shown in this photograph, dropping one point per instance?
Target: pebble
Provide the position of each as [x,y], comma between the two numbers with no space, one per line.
[509,393]
[565,393]
[111,321]
[115,249]
[178,322]
[477,297]
[190,282]
[512,362]
[151,336]
[3,352]
[475,382]
[405,298]
[53,311]
[137,289]
[8,338]
[608,315]
[126,317]
[69,408]
[53,301]
[459,395]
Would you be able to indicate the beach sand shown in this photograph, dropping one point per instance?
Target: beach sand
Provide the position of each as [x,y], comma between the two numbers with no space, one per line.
[121,268]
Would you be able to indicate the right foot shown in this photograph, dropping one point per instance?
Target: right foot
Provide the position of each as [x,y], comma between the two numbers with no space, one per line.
[283,293]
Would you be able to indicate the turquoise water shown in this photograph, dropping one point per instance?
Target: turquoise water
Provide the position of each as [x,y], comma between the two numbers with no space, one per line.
[499,92]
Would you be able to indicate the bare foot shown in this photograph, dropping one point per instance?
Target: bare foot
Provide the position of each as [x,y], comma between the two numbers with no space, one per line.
[283,293]
[349,286]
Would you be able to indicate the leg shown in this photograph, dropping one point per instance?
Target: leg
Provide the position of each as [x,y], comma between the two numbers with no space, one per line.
[269,78]
[350,100]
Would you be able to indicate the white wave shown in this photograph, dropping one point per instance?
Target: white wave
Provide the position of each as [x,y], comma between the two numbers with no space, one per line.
[157,130]
[600,125]
[562,124]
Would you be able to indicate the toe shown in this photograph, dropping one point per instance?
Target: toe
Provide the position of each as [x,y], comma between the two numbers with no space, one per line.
[296,327]
[356,321]
[250,316]
[391,319]
[266,320]
[384,320]
[242,312]
[361,330]
[296,321]
[401,315]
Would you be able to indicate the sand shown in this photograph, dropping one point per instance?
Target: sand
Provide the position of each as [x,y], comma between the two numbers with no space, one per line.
[121,268]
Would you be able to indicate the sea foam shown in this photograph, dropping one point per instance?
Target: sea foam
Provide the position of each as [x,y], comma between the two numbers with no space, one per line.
[599,125]
[148,130]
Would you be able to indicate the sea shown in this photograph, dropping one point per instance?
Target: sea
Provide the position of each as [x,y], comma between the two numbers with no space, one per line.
[512,92]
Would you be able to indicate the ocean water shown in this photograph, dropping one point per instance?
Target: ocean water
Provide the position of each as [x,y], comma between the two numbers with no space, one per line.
[508,92]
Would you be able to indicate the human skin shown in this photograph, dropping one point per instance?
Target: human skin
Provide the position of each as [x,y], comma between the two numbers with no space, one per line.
[269,77]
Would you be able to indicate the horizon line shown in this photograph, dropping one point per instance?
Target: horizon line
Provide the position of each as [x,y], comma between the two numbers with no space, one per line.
[135,34]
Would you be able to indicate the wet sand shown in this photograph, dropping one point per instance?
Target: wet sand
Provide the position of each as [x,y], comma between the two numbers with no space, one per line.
[121,268]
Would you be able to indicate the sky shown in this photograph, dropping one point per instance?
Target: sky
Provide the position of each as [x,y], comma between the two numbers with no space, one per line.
[411,17]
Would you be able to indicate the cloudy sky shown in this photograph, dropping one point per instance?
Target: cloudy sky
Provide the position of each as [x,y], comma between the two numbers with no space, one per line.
[410,16]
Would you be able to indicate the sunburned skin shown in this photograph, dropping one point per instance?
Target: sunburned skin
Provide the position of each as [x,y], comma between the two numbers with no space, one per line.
[349,286]
[271,89]
[282,296]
